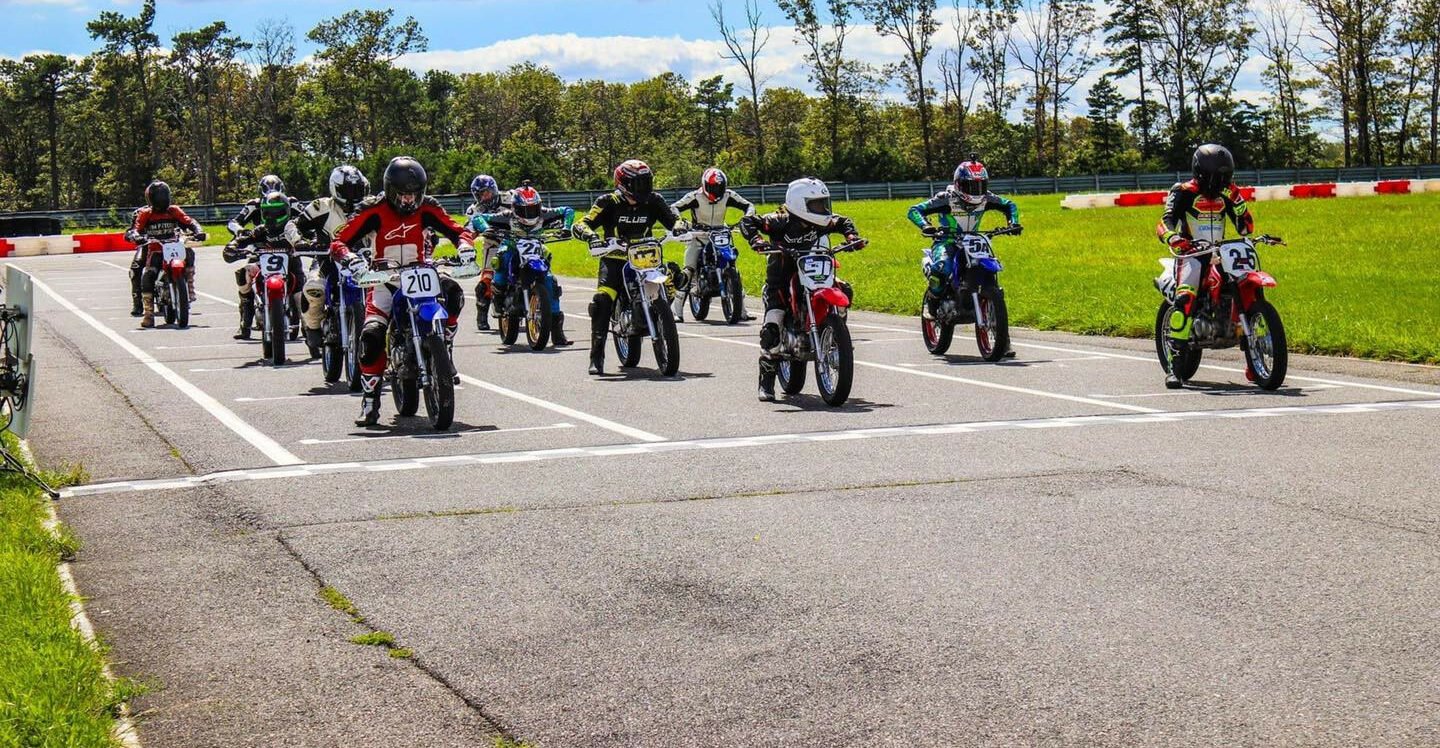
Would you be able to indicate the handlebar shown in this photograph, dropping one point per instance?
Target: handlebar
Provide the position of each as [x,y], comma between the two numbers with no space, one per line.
[941,232]
[547,237]
[1200,248]
[854,246]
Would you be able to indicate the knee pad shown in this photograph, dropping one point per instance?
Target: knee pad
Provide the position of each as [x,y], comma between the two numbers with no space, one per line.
[372,342]
[312,303]
[454,297]
[601,306]
[769,335]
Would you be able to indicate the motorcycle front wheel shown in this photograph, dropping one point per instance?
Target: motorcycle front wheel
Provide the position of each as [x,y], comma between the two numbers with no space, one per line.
[993,337]
[1265,349]
[667,341]
[835,361]
[732,301]
[355,318]
[539,318]
[275,324]
[1187,363]
[440,392]
[182,306]
[332,356]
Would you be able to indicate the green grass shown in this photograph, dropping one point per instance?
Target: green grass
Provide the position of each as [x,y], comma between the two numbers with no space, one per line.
[1358,278]
[337,600]
[374,639]
[53,691]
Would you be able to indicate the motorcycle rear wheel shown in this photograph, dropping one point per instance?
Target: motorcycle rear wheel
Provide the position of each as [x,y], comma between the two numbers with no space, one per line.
[1188,362]
[406,394]
[699,305]
[182,306]
[356,318]
[440,393]
[936,334]
[791,374]
[168,295]
[332,356]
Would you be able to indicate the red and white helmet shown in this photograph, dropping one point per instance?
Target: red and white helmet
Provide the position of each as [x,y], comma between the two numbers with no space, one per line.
[972,181]
[634,179]
[525,205]
[714,183]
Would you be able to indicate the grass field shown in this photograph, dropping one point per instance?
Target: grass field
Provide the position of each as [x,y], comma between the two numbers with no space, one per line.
[1359,277]
[52,688]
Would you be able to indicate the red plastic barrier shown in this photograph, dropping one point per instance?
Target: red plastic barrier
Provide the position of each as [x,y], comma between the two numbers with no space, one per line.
[5,248]
[1134,199]
[86,243]
[1393,187]
[1248,193]
[1312,190]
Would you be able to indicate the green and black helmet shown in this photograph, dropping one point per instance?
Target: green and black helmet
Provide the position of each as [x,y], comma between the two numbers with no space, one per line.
[274,213]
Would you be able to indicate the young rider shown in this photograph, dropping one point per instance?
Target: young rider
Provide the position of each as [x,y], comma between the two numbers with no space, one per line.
[630,212]
[708,206]
[1197,210]
[316,226]
[799,224]
[162,221]
[397,221]
[488,201]
[526,216]
[272,214]
[248,216]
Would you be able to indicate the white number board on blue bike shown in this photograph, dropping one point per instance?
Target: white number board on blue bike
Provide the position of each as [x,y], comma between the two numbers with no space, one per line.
[530,249]
[978,248]
[419,282]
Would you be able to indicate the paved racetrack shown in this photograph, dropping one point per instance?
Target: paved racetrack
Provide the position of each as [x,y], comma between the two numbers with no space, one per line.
[1053,550]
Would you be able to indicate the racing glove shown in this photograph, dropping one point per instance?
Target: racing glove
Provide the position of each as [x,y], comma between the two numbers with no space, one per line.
[1018,229]
[467,253]
[934,232]
[201,236]
[231,253]
[1179,243]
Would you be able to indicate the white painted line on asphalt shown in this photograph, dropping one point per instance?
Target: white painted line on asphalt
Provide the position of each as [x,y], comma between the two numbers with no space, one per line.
[213,297]
[280,397]
[269,447]
[197,345]
[604,423]
[962,380]
[1194,390]
[438,434]
[742,442]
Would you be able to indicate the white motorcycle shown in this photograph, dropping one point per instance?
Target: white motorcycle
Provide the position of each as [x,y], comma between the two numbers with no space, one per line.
[643,309]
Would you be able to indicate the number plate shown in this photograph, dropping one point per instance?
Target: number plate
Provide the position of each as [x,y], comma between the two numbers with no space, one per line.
[978,248]
[720,239]
[817,271]
[645,256]
[1239,258]
[530,249]
[173,251]
[274,263]
[419,282]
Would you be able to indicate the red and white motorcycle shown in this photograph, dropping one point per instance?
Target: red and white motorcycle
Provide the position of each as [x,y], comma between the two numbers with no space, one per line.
[172,292]
[1230,310]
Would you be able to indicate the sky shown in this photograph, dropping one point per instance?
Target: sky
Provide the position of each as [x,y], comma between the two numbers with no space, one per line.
[617,40]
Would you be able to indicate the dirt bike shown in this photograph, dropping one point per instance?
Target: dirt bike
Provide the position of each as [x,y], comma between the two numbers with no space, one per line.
[274,299]
[814,328]
[1230,309]
[715,276]
[526,300]
[340,331]
[970,292]
[421,364]
[172,292]
[643,308]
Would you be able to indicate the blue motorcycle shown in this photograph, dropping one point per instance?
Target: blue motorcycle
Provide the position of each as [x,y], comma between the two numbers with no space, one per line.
[340,332]
[420,363]
[715,276]
[965,288]
[528,298]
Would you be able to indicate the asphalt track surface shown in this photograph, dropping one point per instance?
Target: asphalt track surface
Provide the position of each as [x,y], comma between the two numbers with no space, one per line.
[1053,550]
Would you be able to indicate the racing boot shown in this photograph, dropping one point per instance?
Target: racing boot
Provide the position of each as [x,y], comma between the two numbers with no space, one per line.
[450,331]
[1178,340]
[247,311]
[767,380]
[557,336]
[482,306]
[135,310]
[369,400]
[597,354]
[190,282]
[147,308]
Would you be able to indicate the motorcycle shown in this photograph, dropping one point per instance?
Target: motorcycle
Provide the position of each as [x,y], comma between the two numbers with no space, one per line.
[1229,310]
[644,308]
[527,297]
[421,363]
[172,293]
[814,328]
[274,300]
[340,331]
[715,276]
[973,294]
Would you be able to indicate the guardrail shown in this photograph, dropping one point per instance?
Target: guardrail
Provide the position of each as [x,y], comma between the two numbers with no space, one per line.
[774,193]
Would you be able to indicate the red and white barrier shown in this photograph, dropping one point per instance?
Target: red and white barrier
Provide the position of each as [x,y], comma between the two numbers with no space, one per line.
[1274,192]
[66,244]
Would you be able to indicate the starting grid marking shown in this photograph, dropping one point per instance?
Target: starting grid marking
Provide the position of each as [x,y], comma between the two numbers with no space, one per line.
[500,458]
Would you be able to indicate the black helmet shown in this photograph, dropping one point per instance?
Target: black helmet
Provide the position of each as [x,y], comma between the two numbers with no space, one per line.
[157,196]
[274,213]
[348,186]
[271,183]
[634,179]
[1214,169]
[405,183]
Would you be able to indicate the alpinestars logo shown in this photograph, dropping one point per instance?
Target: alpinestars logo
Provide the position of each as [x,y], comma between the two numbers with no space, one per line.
[399,232]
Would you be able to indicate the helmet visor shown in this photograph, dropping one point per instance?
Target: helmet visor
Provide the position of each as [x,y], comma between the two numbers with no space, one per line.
[350,192]
[640,185]
[715,190]
[1213,182]
[973,189]
[528,213]
[819,206]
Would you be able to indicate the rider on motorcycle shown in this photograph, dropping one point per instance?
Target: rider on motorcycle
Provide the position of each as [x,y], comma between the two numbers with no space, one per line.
[1197,210]
[707,207]
[273,216]
[630,212]
[316,226]
[161,221]
[250,215]
[798,224]
[488,201]
[397,221]
[526,216]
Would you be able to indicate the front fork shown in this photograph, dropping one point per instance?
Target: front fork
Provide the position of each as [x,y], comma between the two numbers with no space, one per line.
[415,340]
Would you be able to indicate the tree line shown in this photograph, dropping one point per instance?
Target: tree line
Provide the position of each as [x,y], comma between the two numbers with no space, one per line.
[212,109]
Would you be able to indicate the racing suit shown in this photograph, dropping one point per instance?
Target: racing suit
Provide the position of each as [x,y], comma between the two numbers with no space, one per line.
[1189,216]
[249,215]
[399,238]
[618,218]
[705,216]
[148,225]
[503,223]
[958,217]
[241,249]
[317,225]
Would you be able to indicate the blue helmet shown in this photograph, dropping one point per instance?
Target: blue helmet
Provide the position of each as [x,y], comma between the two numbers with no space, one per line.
[485,183]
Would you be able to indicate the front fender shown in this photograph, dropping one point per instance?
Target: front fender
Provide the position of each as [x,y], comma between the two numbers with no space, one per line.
[825,299]
[1251,287]
[431,311]
[275,286]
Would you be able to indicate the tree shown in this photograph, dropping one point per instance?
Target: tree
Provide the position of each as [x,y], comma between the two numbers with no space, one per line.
[991,45]
[958,86]
[1131,31]
[133,36]
[1281,31]
[1107,136]
[201,56]
[360,48]
[744,48]
[41,81]
[714,97]
[839,78]
[913,23]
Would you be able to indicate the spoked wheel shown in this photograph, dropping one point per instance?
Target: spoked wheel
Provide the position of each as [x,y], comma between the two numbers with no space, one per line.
[699,305]
[276,322]
[355,318]
[182,305]
[1265,349]
[539,318]
[937,334]
[406,394]
[791,374]
[667,343]
[509,323]
[732,299]
[1187,362]
[627,347]
[332,356]
[835,361]
[440,392]
[993,337]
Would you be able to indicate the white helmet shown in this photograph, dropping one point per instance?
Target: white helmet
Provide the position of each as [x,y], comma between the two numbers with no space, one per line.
[809,200]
